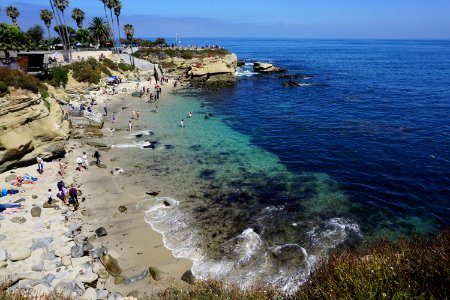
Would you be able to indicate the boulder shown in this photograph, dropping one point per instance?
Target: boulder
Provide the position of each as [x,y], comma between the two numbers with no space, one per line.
[66,261]
[19,220]
[101,231]
[98,145]
[76,251]
[154,273]
[188,277]
[111,264]
[102,294]
[266,68]
[122,209]
[135,278]
[52,205]
[117,171]
[89,294]
[36,212]
[19,254]
[119,279]
[3,255]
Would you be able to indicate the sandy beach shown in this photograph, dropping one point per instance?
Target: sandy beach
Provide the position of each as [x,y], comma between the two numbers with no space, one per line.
[58,230]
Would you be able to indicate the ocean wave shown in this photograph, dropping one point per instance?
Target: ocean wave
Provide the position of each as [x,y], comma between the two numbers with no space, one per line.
[142,145]
[247,259]
[244,73]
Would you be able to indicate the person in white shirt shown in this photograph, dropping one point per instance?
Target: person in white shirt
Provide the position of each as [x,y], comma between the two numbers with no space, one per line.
[85,161]
[80,163]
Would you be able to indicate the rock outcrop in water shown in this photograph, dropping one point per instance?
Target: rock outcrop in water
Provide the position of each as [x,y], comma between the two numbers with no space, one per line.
[214,71]
[30,127]
[267,68]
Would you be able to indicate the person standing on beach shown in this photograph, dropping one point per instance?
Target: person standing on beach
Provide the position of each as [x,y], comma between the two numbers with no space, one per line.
[85,161]
[113,118]
[138,115]
[62,166]
[40,165]
[106,110]
[97,156]
[129,126]
[134,115]
[49,197]
[80,163]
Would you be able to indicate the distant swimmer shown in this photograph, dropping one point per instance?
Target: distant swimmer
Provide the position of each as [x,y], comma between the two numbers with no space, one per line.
[129,126]
[182,123]
[190,114]
[206,117]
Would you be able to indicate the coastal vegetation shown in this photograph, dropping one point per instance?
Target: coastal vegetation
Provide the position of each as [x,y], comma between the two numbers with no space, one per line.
[156,54]
[17,79]
[413,268]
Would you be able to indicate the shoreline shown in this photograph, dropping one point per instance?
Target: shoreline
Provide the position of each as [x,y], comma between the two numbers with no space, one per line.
[129,238]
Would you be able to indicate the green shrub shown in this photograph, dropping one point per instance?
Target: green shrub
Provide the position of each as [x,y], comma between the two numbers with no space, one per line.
[59,76]
[187,55]
[125,67]
[47,103]
[3,89]
[109,64]
[88,71]
[412,268]
[18,79]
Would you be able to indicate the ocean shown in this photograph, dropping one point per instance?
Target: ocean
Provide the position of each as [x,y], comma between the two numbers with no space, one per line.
[264,180]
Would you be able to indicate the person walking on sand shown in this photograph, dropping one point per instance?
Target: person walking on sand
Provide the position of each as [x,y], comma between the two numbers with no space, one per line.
[49,196]
[182,123]
[40,165]
[97,156]
[80,163]
[62,166]
[85,161]
[113,118]
[138,115]
[134,115]
[106,110]
[129,126]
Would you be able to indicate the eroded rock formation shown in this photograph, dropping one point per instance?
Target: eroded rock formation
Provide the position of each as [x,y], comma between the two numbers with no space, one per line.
[30,127]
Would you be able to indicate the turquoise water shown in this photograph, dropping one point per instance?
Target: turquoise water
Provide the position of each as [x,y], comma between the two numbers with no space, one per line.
[260,191]
[237,212]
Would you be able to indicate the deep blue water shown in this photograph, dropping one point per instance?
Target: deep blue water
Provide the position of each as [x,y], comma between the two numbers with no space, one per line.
[378,123]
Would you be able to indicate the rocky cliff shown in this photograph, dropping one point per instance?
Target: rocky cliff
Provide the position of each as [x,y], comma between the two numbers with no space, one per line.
[213,71]
[30,127]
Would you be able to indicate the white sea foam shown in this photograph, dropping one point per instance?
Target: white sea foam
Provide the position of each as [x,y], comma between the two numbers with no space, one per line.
[244,73]
[141,145]
[248,259]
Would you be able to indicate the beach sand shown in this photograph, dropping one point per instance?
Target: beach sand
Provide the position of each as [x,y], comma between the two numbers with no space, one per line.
[129,238]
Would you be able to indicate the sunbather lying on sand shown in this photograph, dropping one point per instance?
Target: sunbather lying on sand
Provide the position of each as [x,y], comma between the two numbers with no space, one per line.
[10,207]
[26,179]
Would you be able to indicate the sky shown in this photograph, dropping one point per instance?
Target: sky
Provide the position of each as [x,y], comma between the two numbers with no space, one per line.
[356,19]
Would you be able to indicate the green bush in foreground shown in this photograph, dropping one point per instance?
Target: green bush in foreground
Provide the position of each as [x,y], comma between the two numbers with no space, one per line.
[59,76]
[413,268]
[125,67]
[109,64]
[18,79]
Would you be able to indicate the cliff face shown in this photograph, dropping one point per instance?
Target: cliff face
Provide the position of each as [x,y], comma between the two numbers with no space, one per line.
[30,127]
[219,70]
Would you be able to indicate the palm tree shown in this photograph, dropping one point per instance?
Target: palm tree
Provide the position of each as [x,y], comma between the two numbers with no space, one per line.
[61,5]
[78,16]
[129,33]
[117,10]
[104,6]
[13,13]
[112,4]
[47,17]
[58,23]
[99,30]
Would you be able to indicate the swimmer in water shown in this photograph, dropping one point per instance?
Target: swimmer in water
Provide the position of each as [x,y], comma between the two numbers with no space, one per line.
[182,123]
[190,114]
